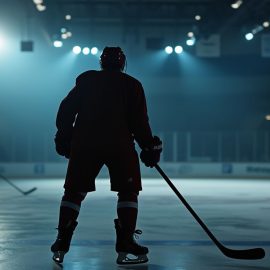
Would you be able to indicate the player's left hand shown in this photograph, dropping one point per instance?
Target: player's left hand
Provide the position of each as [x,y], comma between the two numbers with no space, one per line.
[62,144]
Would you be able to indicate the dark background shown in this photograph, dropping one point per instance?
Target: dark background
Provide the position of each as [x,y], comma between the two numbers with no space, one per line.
[217,104]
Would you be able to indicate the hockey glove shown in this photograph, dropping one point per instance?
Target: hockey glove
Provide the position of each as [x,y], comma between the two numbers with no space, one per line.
[150,156]
[62,144]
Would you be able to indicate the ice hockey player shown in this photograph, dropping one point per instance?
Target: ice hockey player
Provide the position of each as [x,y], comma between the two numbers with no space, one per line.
[97,123]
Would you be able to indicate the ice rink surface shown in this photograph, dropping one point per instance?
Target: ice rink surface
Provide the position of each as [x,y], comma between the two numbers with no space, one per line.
[236,211]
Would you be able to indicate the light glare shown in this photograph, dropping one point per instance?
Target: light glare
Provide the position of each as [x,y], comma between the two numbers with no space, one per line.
[249,36]
[57,43]
[190,41]
[41,8]
[86,51]
[198,17]
[257,29]
[178,49]
[2,43]
[168,49]
[77,49]
[266,24]
[236,4]
[68,17]
[267,117]
[38,2]
[64,36]
[94,50]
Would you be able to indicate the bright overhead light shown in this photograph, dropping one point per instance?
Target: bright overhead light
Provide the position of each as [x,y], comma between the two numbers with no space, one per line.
[86,51]
[249,36]
[68,17]
[57,43]
[41,7]
[64,36]
[266,24]
[178,49]
[267,117]
[63,30]
[168,49]
[77,49]
[38,2]
[94,50]
[190,34]
[69,34]
[198,17]
[237,4]
[190,41]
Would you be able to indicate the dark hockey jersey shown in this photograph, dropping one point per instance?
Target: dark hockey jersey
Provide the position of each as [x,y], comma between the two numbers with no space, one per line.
[105,109]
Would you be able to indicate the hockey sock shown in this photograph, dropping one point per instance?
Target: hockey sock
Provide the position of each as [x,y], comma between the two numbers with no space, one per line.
[70,207]
[127,210]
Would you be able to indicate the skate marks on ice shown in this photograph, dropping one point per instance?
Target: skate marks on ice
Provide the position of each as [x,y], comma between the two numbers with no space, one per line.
[236,222]
[233,267]
[27,228]
[148,266]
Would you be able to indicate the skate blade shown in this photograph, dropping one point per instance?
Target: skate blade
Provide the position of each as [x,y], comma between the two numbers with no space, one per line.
[58,256]
[124,258]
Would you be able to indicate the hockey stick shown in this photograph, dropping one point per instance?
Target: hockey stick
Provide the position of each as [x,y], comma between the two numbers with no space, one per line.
[247,254]
[20,190]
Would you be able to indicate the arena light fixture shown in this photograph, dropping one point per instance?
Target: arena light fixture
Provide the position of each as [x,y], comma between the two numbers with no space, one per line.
[38,2]
[86,50]
[41,7]
[198,17]
[68,17]
[178,49]
[169,50]
[266,24]
[267,117]
[94,50]
[190,41]
[249,36]
[77,49]
[236,4]
[58,44]
[64,36]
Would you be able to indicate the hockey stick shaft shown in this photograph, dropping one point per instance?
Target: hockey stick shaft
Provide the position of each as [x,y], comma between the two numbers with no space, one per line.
[17,188]
[183,200]
[252,254]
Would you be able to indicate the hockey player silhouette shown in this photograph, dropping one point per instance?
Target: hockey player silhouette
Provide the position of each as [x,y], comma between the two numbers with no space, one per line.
[97,123]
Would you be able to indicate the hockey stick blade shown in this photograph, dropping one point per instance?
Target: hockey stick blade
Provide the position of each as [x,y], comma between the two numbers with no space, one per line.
[246,254]
[29,191]
[17,188]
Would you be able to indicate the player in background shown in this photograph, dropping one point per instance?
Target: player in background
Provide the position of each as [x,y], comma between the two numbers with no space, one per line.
[97,123]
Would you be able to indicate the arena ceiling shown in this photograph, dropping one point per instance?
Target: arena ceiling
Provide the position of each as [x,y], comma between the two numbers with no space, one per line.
[217,15]
[170,11]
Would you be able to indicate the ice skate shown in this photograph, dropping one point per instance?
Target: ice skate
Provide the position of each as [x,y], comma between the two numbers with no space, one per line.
[62,243]
[129,252]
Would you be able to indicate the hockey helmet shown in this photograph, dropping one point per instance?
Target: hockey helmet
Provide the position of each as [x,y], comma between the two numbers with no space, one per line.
[113,58]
